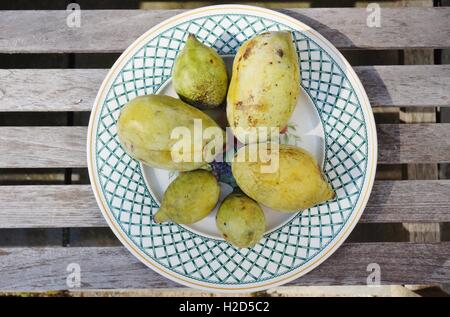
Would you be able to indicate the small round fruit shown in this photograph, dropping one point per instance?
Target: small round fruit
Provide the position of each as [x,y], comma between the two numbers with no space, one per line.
[241,221]
[200,75]
[189,198]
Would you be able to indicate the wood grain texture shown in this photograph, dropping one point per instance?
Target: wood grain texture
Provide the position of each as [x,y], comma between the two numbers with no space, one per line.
[115,267]
[52,147]
[411,200]
[423,232]
[49,89]
[62,206]
[114,30]
[75,89]
[413,143]
[22,147]
[49,206]
[406,86]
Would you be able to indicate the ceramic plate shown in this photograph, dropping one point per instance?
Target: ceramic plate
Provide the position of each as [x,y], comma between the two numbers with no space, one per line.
[333,120]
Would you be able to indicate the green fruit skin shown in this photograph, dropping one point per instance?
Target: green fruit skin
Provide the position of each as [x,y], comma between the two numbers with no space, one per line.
[189,198]
[265,84]
[145,126]
[199,75]
[241,221]
[297,184]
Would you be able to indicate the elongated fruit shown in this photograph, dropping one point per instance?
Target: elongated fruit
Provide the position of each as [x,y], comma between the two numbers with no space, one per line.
[296,184]
[241,220]
[145,128]
[264,85]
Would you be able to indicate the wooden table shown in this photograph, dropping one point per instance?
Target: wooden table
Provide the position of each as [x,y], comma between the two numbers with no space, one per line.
[73,90]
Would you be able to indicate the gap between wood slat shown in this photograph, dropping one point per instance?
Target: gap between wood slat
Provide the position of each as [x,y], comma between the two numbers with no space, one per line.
[75,89]
[115,267]
[57,206]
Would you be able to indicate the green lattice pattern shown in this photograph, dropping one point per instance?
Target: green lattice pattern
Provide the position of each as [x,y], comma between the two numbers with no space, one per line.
[215,261]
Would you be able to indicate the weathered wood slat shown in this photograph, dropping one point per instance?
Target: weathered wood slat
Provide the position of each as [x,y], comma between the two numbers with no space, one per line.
[115,30]
[413,143]
[74,205]
[49,206]
[53,147]
[49,89]
[50,147]
[115,267]
[408,201]
[75,89]
[406,86]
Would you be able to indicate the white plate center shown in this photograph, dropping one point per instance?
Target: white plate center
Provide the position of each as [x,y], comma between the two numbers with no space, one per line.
[304,130]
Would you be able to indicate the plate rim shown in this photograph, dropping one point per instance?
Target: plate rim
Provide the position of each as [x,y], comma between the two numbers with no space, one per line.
[319,257]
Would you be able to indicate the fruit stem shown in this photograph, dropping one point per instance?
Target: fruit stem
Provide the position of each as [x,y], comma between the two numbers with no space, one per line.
[161,216]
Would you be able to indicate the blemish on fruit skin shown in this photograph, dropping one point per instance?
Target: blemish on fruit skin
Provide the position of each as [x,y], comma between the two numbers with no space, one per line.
[252,121]
[247,53]
[280,52]
[248,50]
[129,146]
